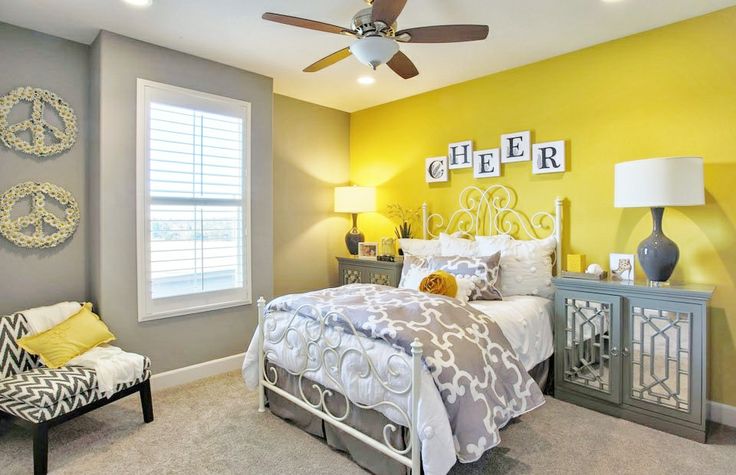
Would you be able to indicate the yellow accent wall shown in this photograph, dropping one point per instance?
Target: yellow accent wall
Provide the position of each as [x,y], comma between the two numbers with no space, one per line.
[666,92]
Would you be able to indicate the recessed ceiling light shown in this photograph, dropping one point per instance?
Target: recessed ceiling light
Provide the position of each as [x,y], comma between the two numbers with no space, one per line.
[366,80]
[139,3]
[611,1]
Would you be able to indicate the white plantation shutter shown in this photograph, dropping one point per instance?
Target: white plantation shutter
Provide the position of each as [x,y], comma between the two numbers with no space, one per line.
[193,222]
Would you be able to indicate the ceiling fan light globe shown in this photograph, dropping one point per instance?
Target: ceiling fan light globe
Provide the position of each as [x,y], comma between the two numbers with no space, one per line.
[374,51]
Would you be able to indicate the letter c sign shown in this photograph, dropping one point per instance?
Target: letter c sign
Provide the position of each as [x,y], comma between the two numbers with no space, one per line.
[435,170]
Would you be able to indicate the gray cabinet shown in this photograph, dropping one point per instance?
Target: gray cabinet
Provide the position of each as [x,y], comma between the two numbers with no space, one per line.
[634,351]
[364,271]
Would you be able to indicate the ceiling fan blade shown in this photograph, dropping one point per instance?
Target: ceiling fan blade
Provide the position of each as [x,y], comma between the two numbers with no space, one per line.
[328,60]
[387,11]
[402,65]
[444,34]
[304,23]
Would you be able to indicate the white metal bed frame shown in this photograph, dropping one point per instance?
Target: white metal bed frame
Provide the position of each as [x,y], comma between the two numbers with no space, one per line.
[482,212]
[491,211]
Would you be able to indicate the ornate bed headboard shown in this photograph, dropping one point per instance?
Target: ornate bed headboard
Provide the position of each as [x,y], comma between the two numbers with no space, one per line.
[492,211]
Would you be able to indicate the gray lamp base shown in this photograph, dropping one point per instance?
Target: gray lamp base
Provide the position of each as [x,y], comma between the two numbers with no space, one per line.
[354,237]
[658,254]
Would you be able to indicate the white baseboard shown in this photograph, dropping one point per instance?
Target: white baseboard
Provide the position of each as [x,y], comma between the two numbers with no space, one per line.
[175,377]
[722,413]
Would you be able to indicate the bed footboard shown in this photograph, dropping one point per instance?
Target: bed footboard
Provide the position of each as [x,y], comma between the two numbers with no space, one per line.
[322,353]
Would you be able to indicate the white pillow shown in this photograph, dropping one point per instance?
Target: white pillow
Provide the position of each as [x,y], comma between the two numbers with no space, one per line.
[41,319]
[420,247]
[526,267]
[489,245]
[465,286]
[482,246]
[456,246]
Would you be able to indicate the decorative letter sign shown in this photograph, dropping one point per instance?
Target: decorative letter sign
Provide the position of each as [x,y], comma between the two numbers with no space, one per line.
[487,163]
[435,170]
[549,157]
[515,147]
[461,154]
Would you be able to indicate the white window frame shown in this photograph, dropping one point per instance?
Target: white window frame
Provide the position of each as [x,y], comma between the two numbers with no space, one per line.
[148,308]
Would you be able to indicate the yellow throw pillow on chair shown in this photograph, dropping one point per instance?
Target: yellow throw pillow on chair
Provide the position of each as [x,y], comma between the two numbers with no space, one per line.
[74,336]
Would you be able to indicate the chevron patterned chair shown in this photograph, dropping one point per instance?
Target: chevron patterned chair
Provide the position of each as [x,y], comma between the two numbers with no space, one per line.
[40,398]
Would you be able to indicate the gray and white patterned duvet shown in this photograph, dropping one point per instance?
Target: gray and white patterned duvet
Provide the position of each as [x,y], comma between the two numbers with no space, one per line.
[482,383]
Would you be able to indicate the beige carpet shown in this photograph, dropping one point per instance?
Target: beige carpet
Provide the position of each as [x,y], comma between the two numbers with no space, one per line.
[212,426]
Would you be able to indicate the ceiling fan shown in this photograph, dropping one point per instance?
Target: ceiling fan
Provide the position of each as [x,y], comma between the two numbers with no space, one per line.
[378,37]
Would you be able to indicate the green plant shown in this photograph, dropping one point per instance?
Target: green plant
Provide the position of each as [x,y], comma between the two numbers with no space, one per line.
[403,230]
[405,217]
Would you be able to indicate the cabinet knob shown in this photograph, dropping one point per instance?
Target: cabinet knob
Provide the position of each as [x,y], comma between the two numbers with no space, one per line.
[626,351]
[614,351]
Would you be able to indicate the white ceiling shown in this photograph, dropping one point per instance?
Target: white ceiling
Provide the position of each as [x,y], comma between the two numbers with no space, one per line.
[232,32]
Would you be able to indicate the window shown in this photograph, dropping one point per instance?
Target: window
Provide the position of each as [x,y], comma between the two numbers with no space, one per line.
[193,201]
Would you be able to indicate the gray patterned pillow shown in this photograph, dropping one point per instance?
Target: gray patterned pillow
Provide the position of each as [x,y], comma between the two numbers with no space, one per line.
[486,269]
[412,263]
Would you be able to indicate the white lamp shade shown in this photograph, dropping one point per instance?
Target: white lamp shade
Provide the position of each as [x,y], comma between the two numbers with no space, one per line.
[374,50]
[355,199]
[659,182]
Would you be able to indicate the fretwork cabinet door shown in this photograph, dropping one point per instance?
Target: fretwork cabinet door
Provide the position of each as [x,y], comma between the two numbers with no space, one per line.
[663,348]
[587,344]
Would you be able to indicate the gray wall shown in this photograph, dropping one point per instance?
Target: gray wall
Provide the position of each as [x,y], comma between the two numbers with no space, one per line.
[45,276]
[295,233]
[180,341]
[311,153]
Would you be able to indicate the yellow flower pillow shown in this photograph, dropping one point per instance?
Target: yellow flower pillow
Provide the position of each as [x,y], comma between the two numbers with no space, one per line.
[74,336]
[440,283]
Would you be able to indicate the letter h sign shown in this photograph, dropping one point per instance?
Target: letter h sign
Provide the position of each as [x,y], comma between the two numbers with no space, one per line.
[460,154]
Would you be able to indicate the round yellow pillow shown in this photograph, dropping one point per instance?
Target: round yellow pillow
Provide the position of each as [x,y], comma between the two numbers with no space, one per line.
[440,283]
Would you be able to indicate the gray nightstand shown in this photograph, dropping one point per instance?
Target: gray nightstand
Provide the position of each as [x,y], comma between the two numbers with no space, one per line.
[365,271]
[634,351]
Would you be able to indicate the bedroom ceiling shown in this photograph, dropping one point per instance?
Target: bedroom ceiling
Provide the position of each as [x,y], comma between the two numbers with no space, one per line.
[232,32]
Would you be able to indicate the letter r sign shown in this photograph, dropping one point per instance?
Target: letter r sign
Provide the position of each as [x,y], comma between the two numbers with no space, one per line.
[548,157]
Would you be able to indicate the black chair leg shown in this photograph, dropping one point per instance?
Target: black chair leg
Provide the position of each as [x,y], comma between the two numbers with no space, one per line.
[147,402]
[40,449]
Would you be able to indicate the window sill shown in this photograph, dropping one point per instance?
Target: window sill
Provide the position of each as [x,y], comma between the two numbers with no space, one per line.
[194,310]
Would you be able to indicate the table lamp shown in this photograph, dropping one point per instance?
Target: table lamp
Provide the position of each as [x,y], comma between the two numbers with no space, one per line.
[354,200]
[655,183]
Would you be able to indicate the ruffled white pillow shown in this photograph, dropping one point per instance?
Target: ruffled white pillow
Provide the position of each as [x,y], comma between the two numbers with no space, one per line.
[465,286]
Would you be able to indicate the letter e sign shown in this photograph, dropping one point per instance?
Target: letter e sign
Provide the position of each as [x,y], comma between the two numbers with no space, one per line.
[435,170]
[548,157]
[486,163]
[516,147]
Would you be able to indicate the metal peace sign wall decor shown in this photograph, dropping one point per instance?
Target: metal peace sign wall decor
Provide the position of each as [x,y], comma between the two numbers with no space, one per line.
[40,218]
[46,139]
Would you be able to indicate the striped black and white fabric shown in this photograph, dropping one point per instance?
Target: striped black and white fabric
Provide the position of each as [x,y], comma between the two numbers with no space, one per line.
[13,358]
[36,393]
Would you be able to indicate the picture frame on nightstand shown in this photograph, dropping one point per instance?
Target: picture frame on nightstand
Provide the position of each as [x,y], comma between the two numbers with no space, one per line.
[623,267]
[368,250]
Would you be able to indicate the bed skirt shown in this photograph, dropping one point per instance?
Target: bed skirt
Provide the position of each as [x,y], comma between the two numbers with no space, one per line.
[367,421]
